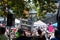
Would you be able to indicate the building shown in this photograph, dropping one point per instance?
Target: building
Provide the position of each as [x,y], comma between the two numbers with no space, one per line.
[30,20]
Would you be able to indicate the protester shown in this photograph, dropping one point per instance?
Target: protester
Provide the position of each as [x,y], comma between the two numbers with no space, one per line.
[57,35]
[2,33]
[21,35]
[50,28]
[41,35]
[50,31]
[28,33]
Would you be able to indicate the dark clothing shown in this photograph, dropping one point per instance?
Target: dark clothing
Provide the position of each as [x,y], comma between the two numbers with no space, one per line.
[55,39]
[31,38]
[57,35]
[38,38]
[23,38]
[41,38]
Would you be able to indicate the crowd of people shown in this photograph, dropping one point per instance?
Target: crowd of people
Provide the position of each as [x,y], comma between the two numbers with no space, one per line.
[26,34]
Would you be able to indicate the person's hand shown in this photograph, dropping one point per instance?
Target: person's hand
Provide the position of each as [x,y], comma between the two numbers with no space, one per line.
[43,33]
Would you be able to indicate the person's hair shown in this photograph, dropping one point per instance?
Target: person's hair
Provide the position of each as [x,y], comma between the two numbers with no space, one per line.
[50,23]
[39,32]
[20,31]
[2,30]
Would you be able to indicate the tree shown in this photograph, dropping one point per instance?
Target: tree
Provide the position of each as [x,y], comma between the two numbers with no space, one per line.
[41,6]
[16,6]
[44,6]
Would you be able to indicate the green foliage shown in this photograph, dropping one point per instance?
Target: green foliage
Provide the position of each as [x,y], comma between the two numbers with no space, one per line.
[18,6]
[44,5]
[1,12]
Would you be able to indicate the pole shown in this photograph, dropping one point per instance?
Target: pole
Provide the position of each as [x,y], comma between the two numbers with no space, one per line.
[58,17]
[9,26]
